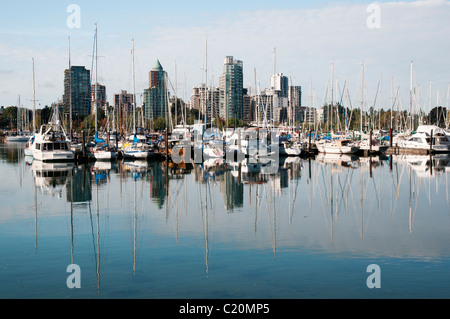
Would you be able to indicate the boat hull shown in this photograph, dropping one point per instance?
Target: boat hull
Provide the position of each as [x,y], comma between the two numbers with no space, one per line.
[17,139]
[340,150]
[54,156]
[136,154]
[104,155]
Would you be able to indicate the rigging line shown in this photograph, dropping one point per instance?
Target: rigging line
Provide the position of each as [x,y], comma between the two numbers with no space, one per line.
[345,188]
[370,211]
[353,200]
[417,200]
[376,193]
[342,189]
[295,197]
[323,179]
[401,176]
[92,231]
[323,206]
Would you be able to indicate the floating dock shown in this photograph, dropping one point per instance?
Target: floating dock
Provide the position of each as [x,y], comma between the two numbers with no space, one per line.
[395,150]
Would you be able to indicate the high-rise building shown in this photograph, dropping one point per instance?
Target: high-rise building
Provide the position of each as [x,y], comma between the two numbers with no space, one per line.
[77,86]
[231,89]
[155,97]
[101,98]
[123,106]
[263,107]
[247,113]
[206,100]
[279,87]
[295,113]
[280,83]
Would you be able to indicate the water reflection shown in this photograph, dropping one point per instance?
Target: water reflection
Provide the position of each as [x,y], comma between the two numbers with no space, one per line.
[133,216]
[51,178]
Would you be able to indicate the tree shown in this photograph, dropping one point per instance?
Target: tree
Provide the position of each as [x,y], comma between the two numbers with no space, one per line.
[192,116]
[437,116]
[159,124]
[10,114]
[46,112]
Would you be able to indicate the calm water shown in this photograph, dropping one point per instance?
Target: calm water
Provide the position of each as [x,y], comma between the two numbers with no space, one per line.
[302,229]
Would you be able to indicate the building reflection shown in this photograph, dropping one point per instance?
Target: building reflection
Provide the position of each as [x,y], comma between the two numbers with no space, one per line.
[80,189]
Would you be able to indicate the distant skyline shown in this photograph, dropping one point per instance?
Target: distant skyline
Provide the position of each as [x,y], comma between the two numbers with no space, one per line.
[308,37]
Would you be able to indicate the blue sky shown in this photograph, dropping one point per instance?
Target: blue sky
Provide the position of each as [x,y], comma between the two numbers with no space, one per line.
[307,35]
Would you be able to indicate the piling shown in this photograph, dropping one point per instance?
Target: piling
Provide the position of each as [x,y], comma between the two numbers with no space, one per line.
[390,137]
[431,142]
[83,143]
[309,144]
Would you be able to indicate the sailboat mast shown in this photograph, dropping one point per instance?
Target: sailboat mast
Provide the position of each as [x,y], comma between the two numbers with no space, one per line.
[362,98]
[134,89]
[34,101]
[70,94]
[332,96]
[96,71]
[175,95]
[206,82]
[392,100]
[411,97]
[19,120]
[257,101]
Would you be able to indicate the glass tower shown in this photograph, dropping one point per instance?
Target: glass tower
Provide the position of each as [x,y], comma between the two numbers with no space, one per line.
[77,84]
[155,97]
[231,102]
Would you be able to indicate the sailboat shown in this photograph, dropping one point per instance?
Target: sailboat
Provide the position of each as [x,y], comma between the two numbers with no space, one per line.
[102,150]
[20,136]
[289,147]
[51,143]
[136,149]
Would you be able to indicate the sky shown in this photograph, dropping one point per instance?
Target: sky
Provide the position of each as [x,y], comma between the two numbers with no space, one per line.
[357,43]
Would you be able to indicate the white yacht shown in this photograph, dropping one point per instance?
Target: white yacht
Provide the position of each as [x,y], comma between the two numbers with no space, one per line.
[340,146]
[423,140]
[51,143]
[441,140]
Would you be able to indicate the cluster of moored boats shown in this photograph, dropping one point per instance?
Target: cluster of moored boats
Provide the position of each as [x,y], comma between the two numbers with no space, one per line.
[52,143]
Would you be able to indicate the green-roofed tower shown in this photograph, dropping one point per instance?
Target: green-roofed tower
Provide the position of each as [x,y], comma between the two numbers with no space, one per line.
[155,99]
[157,66]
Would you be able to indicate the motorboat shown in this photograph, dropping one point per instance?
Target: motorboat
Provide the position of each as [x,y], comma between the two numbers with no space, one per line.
[51,143]
[338,146]
[423,141]
[441,140]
